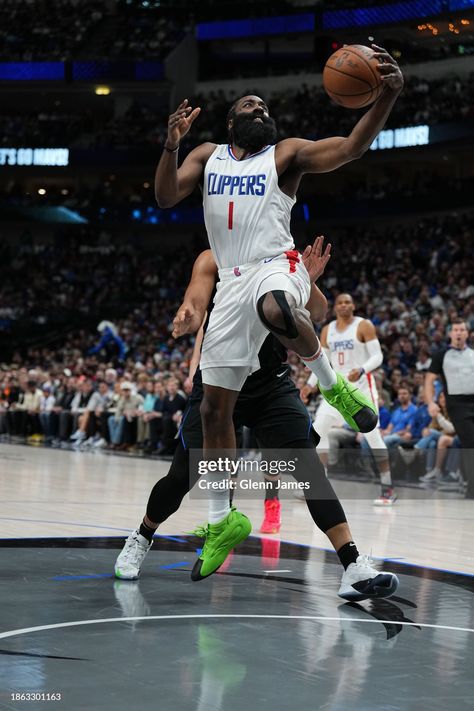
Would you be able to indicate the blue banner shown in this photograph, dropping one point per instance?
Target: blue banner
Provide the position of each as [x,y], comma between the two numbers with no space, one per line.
[28,71]
[461,4]
[280,25]
[381,14]
[149,71]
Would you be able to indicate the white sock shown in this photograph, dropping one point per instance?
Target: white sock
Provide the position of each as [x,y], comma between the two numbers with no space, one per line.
[321,367]
[386,478]
[219,504]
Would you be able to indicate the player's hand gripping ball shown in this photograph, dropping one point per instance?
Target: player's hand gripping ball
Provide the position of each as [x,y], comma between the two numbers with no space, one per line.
[355,75]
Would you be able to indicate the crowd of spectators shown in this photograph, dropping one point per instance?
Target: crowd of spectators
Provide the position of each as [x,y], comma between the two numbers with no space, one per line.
[36,30]
[46,128]
[133,411]
[411,281]
[140,33]
[60,30]
[303,111]
[133,286]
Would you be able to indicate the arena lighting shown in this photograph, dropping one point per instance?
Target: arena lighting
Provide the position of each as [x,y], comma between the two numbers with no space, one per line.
[34,156]
[102,90]
[41,191]
[402,138]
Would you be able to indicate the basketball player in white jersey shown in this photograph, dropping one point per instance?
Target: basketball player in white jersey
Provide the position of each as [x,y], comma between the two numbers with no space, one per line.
[353,349]
[249,187]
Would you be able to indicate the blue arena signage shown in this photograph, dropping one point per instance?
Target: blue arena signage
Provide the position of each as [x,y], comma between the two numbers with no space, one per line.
[255,27]
[34,156]
[32,71]
[381,14]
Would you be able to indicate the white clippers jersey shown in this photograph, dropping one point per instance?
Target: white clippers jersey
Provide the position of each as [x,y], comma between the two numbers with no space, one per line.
[347,352]
[247,216]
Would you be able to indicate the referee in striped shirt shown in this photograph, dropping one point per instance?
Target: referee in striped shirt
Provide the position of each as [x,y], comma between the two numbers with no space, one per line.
[455,366]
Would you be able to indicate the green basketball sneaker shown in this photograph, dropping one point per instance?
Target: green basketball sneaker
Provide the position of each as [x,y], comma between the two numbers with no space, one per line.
[220,539]
[359,411]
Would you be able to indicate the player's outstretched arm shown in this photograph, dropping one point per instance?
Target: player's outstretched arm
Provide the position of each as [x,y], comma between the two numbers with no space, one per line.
[172,184]
[330,153]
[190,314]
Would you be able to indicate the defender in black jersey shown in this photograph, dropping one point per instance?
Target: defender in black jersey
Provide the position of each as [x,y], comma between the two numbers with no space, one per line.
[270,404]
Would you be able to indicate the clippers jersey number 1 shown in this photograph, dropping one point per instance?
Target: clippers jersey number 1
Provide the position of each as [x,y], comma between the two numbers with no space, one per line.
[340,357]
[230,221]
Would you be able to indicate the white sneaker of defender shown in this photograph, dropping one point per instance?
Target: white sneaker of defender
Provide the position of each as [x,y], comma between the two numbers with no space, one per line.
[362,581]
[130,559]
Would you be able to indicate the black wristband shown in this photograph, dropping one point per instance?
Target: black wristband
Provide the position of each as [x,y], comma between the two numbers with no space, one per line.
[170,150]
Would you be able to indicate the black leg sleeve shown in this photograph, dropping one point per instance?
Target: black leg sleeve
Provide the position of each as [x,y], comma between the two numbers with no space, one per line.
[167,494]
[324,506]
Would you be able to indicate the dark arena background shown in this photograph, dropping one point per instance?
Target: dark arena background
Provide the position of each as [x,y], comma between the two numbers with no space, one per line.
[95,391]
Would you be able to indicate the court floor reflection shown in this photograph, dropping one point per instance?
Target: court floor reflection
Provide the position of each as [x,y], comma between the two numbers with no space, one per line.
[268,632]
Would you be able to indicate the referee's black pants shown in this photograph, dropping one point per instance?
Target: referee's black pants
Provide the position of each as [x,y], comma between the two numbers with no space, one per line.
[461,412]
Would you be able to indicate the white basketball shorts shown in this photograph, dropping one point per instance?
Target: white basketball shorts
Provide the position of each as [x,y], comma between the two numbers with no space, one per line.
[235,333]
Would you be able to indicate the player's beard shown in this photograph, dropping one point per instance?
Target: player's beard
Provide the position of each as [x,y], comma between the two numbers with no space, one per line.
[252,135]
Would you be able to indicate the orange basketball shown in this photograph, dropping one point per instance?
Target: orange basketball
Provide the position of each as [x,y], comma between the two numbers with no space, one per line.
[351,77]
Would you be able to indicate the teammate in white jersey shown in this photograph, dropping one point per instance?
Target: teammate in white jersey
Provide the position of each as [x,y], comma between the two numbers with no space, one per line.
[249,188]
[354,350]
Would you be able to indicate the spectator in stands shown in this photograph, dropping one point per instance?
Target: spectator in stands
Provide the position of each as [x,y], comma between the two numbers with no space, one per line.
[143,423]
[438,437]
[407,354]
[173,406]
[123,424]
[59,420]
[23,416]
[11,390]
[88,424]
[79,408]
[85,406]
[46,407]
[401,420]
[418,385]
[111,378]
[154,418]
[100,436]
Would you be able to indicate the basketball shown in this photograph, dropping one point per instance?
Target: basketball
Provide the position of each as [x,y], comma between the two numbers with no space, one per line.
[351,77]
